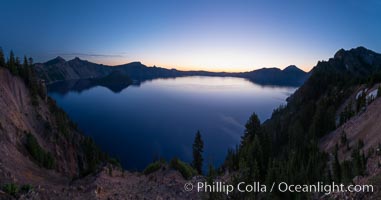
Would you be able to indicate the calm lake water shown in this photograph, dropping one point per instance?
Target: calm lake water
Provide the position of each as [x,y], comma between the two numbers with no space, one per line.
[159,118]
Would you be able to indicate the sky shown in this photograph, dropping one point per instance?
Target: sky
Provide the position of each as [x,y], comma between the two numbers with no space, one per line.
[213,35]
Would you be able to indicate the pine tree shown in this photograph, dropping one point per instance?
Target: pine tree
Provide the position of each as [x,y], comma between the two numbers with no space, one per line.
[343,138]
[346,171]
[18,66]
[252,128]
[231,162]
[258,165]
[361,101]
[12,63]
[255,173]
[2,58]
[359,162]
[198,147]
[212,173]
[24,70]
[30,59]
[336,169]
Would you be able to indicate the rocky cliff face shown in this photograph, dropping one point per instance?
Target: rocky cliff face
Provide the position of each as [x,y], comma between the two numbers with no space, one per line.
[20,118]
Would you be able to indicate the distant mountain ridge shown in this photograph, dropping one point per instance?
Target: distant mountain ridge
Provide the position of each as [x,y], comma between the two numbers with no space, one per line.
[291,75]
[58,69]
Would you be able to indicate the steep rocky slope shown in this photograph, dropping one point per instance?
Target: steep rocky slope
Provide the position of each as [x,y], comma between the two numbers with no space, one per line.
[18,118]
[364,127]
[39,145]
[360,131]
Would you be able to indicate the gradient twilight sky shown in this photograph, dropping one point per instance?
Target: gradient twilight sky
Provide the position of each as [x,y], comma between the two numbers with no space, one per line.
[234,35]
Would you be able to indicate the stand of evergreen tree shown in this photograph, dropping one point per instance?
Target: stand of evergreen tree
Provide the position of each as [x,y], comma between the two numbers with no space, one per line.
[40,156]
[285,147]
[26,72]
[198,148]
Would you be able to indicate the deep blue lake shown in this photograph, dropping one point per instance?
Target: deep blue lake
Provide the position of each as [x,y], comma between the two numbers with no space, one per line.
[159,118]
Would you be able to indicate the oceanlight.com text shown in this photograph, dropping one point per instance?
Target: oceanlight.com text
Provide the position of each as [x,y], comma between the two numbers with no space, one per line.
[243,187]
